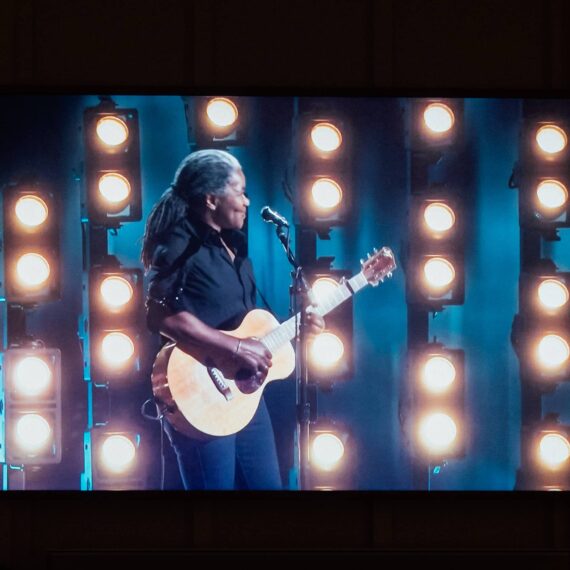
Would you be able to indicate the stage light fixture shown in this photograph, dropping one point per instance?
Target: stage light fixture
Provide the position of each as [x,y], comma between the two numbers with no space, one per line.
[545,456]
[117,453]
[31,244]
[116,311]
[552,294]
[116,459]
[438,118]
[435,273]
[112,164]
[31,210]
[435,125]
[330,353]
[552,195]
[437,433]
[439,218]
[222,112]
[117,348]
[326,351]
[324,171]
[32,270]
[552,352]
[217,121]
[551,139]
[33,405]
[437,380]
[327,451]
[332,455]
[325,137]
[326,194]
[112,130]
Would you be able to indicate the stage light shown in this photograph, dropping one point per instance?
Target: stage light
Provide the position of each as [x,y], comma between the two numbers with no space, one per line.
[327,451]
[438,118]
[116,291]
[112,130]
[31,210]
[32,390]
[324,288]
[112,164]
[114,187]
[117,453]
[33,270]
[552,351]
[438,374]
[545,455]
[439,218]
[326,194]
[552,195]
[554,450]
[439,274]
[117,348]
[217,121]
[326,137]
[222,112]
[434,125]
[326,350]
[437,433]
[437,413]
[30,243]
[33,432]
[551,139]
[32,376]
[552,294]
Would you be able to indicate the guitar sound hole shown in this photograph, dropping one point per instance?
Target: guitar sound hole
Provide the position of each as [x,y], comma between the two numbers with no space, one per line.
[247,382]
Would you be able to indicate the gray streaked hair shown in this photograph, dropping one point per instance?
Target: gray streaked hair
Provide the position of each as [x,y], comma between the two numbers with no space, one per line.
[200,173]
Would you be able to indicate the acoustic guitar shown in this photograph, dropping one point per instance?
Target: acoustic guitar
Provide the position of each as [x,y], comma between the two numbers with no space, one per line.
[195,397]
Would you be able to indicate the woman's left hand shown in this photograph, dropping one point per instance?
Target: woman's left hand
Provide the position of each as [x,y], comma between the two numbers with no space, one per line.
[316,323]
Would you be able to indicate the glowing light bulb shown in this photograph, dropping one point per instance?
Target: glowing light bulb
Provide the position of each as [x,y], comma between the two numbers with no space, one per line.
[112,131]
[552,294]
[439,217]
[116,291]
[31,210]
[326,193]
[438,374]
[114,187]
[118,453]
[117,348]
[437,432]
[32,432]
[551,139]
[326,137]
[553,351]
[438,118]
[439,273]
[33,270]
[222,112]
[328,450]
[32,376]
[326,350]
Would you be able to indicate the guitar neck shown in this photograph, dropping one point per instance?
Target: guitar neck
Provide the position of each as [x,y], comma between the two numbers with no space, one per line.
[285,332]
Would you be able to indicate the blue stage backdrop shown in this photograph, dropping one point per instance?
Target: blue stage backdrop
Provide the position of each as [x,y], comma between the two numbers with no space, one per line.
[41,136]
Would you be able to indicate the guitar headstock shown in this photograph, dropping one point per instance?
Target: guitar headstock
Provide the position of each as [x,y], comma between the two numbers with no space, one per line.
[378,265]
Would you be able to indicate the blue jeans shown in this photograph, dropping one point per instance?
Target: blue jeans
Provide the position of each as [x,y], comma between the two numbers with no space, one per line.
[207,465]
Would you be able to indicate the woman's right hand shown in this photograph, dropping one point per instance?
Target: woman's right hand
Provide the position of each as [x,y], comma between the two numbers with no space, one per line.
[253,356]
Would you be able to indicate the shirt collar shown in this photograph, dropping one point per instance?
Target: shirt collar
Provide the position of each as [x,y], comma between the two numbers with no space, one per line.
[208,235]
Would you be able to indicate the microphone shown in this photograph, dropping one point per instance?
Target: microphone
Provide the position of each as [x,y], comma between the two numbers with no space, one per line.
[273,217]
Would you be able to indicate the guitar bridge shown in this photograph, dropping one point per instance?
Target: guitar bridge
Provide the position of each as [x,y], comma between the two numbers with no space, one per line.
[220,382]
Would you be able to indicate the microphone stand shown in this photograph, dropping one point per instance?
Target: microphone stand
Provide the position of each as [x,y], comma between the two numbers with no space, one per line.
[299,293]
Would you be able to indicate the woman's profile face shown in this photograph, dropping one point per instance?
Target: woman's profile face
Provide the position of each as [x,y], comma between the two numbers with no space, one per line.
[231,207]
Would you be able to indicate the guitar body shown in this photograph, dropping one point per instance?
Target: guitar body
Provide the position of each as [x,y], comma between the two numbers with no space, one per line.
[191,400]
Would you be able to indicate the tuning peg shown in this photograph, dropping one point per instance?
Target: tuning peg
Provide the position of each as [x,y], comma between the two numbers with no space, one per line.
[362,262]
[374,250]
[389,275]
[369,256]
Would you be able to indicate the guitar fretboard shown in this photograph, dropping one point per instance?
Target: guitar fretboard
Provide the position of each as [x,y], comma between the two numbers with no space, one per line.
[285,332]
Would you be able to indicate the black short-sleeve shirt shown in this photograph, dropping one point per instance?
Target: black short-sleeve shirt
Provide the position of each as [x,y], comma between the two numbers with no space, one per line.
[192,271]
